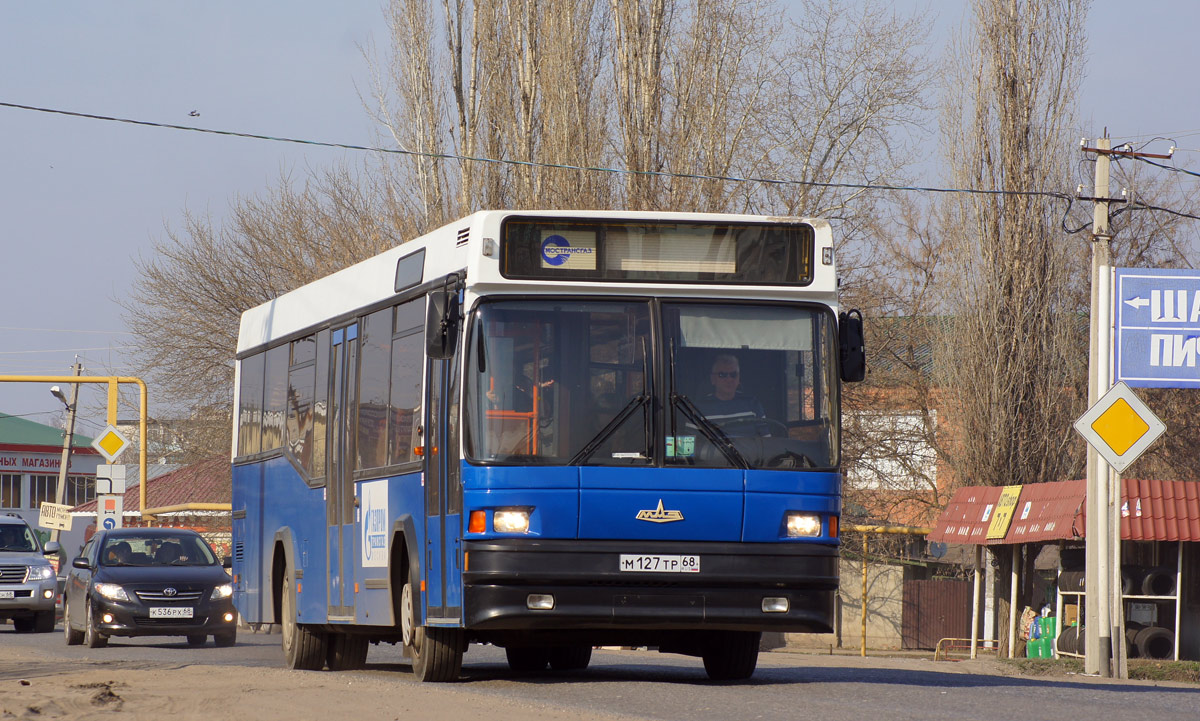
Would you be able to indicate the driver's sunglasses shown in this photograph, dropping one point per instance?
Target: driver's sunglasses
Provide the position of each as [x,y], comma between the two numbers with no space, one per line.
[726,374]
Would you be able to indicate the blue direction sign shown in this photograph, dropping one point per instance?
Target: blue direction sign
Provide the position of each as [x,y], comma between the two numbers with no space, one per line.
[1157,322]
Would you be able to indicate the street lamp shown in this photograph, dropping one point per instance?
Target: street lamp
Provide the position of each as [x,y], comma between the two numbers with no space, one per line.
[61,489]
[57,393]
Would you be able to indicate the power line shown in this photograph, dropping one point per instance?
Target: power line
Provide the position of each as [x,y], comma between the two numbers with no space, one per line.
[1147,206]
[54,350]
[534,164]
[26,415]
[1173,133]
[584,168]
[63,330]
[1172,168]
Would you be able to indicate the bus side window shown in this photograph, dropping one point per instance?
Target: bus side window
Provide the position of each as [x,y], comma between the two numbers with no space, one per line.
[250,402]
[404,402]
[374,375]
[275,397]
[301,383]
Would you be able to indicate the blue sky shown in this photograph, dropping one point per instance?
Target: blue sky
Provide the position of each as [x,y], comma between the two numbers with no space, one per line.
[80,198]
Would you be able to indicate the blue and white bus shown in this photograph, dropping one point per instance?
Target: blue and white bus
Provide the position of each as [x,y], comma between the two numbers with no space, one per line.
[548,431]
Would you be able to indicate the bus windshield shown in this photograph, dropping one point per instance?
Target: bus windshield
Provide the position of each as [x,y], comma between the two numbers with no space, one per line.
[572,382]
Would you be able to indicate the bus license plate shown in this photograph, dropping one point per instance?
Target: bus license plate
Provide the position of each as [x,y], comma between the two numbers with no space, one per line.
[171,612]
[8,594]
[655,563]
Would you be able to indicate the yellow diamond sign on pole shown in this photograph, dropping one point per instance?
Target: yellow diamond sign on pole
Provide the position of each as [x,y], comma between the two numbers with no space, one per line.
[110,443]
[1120,426]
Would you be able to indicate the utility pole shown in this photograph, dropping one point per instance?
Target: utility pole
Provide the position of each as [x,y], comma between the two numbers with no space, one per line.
[1103,532]
[61,490]
[1098,638]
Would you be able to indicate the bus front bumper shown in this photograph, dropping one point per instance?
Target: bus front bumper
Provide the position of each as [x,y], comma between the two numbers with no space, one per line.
[739,586]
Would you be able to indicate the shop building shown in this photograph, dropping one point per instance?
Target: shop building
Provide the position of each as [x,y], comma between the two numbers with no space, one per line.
[1037,562]
[30,462]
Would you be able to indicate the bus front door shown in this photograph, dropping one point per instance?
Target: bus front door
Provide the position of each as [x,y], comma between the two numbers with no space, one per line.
[443,496]
[339,492]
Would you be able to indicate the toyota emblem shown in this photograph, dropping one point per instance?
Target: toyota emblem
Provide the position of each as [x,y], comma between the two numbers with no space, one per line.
[169,591]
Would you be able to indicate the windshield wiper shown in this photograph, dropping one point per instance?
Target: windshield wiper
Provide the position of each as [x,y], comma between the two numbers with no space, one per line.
[710,430]
[706,427]
[634,403]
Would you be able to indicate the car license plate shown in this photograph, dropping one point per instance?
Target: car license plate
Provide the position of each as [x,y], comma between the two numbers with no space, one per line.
[171,612]
[656,563]
[8,594]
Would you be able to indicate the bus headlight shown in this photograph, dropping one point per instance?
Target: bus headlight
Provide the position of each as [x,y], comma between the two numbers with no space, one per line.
[510,521]
[803,524]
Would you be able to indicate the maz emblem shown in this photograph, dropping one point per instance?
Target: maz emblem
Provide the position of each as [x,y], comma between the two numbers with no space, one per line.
[658,515]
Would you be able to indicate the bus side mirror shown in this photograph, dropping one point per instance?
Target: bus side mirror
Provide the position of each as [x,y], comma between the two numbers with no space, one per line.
[852,352]
[441,324]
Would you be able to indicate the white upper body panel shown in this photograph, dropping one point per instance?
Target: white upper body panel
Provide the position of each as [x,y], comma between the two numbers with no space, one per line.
[462,245]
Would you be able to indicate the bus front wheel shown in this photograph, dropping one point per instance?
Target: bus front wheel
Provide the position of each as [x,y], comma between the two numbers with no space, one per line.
[436,652]
[731,655]
[303,649]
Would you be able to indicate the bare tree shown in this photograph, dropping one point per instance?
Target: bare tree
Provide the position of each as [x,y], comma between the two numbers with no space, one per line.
[1011,364]
[709,88]
[186,306]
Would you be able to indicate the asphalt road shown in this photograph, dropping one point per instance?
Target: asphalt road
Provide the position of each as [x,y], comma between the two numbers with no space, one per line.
[649,685]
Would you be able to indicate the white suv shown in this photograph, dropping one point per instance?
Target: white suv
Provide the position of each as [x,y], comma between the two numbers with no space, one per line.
[27,580]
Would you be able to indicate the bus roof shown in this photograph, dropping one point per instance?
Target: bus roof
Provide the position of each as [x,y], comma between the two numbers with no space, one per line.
[455,246]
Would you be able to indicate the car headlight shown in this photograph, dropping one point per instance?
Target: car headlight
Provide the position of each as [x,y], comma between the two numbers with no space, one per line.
[40,573]
[225,590]
[803,524]
[510,521]
[111,591]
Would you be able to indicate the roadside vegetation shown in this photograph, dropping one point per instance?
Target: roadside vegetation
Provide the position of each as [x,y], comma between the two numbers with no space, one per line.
[1141,669]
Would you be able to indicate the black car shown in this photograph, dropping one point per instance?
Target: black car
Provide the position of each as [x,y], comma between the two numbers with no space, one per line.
[148,582]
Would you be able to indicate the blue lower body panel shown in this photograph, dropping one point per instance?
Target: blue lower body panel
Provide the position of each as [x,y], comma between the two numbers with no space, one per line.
[591,591]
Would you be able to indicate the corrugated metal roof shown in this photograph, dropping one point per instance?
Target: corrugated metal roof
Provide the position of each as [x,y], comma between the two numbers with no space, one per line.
[205,482]
[1048,512]
[1152,510]
[1160,510]
[967,516]
[24,432]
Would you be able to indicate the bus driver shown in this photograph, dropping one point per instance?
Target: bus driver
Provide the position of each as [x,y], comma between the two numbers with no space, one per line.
[726,404]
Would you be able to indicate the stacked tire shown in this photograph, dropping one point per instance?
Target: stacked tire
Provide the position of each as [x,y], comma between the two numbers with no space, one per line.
[1154,642]
[1071,581]
[1158,582]
[1071,640]
[1154,581]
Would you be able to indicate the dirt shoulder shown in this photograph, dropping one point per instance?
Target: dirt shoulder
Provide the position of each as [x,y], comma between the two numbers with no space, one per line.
[34,689]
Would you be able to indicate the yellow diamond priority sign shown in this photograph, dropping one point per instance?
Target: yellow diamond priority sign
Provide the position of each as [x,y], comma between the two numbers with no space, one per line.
[110,443]
[1120,426]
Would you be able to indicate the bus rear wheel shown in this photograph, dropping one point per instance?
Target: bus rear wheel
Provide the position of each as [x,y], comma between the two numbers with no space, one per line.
[302,649]
[347,652]
[731,655]
[436,652]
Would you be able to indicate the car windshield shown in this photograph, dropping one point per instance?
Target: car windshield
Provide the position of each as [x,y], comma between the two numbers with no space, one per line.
[17,538]
[183,550]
